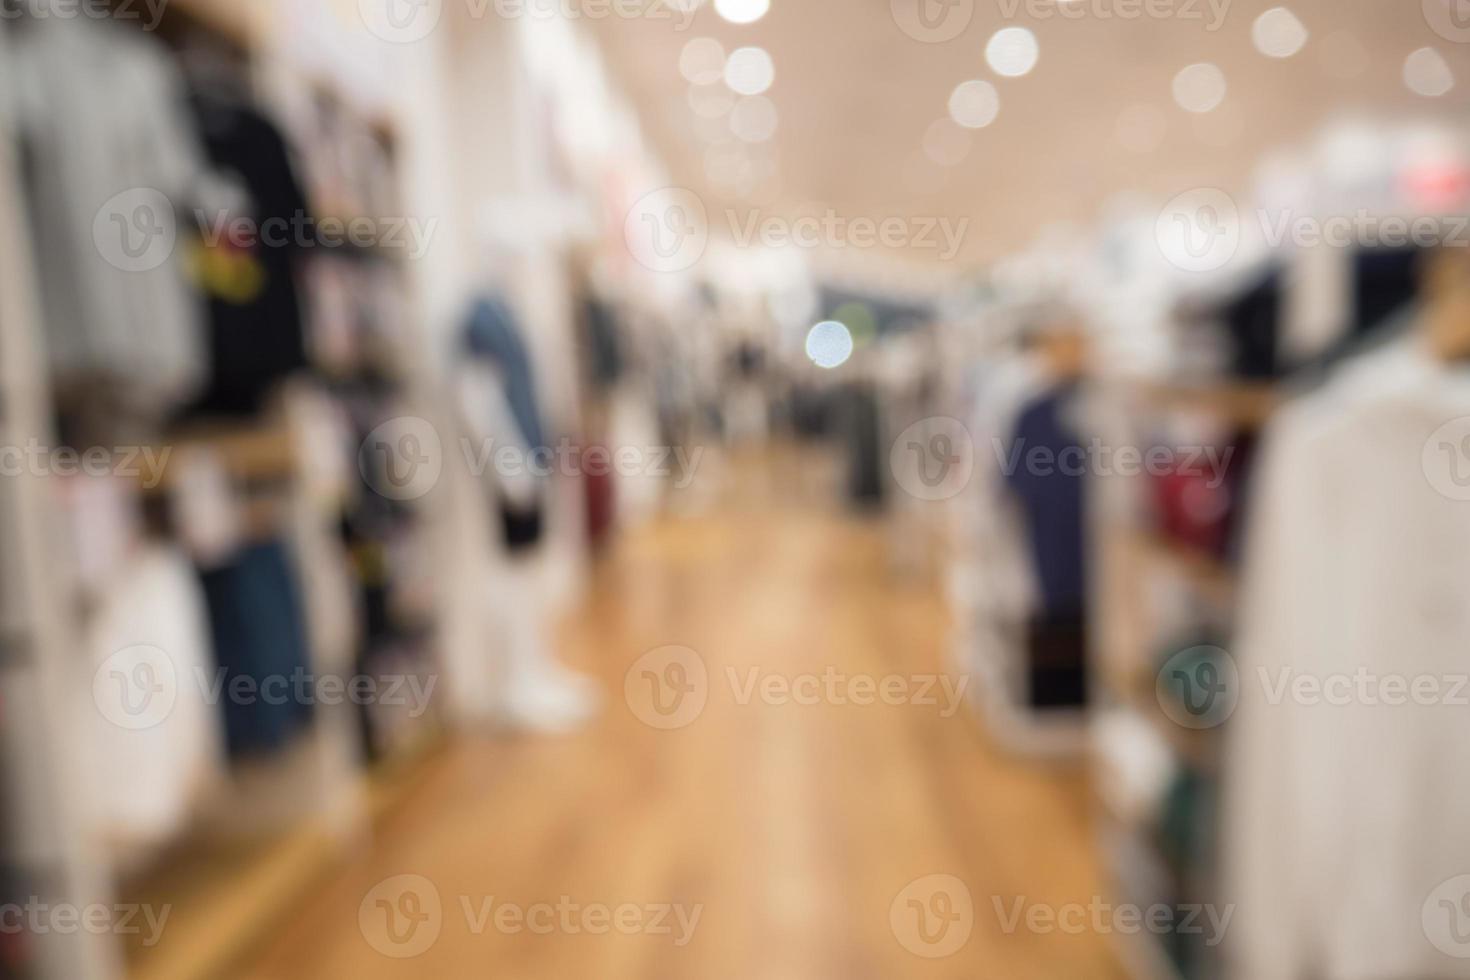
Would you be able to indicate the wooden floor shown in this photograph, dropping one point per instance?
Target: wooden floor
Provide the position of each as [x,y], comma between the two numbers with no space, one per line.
[797,828]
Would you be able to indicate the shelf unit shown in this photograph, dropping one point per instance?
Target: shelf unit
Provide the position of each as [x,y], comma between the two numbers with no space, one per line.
[1245,405]
[282,821]
[46,846]
[1131,556]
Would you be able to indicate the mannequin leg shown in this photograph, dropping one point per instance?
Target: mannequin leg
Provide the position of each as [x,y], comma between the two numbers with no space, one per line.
[541,694]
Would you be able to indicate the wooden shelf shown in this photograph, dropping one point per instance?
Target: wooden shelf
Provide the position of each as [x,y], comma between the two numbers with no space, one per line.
[238,21]
[1208,574]
[1126,854]
[1136,691]
[1246,404]
[251,454]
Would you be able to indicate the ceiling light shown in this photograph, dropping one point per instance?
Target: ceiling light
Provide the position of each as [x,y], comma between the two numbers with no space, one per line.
[974,104]
[1278,33]
[702,61]
[742,11]
[1200,87]
[749,71]
[829,344]
[754,119]
[1012,51]
[1426,73]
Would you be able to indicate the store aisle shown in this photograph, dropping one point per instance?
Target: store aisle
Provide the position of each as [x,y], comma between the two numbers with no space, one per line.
[794,826]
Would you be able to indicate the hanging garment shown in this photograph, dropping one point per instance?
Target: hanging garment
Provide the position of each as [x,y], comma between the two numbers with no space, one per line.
[1051,498]
[1317,302]
[259,633]
[1341,819]
[1052,501]
[504,379]
[1007,586]
[860,422]
[604,344]
[1253,322]
[633,423]
[1385,282]
[111,165]
[1199,502]
[1000,581]
[1186,839]
[501,447]
[1056,660]
[151,760]
[492,334]
[255,318]
[600,502]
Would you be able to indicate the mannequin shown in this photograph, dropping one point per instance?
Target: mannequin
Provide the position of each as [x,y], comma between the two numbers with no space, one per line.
[1053,507]
[496,398]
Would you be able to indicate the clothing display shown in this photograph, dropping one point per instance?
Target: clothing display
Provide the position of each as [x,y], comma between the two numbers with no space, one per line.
[255,316]
[259,633]
[493,427]
[492,334]
[17,947]
[112,165]
[1252,320]
[1052,498]
[1052,503]
[156,757]
[858,421]
[600,496]
[499,404]
[1187,839]
[383,539]
[1341,818]
[1378,287]
[1002,624]
[1201,506]
[1384,282]
[1056,659]
[1097,534]
[1008,579]
[604,343]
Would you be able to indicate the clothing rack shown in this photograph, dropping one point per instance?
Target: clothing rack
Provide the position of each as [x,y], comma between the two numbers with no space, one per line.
[236,25]
[1136,558]
[47,849]
[282,819]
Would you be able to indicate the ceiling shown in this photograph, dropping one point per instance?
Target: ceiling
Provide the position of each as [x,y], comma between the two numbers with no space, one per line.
[856,94]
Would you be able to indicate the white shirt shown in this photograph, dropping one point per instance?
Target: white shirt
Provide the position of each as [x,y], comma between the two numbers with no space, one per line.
[103,115]
[1343,816]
